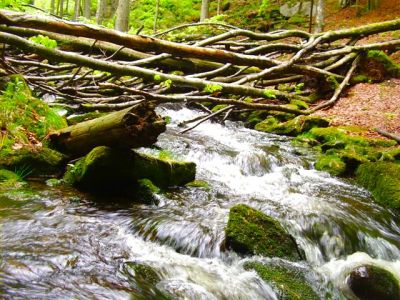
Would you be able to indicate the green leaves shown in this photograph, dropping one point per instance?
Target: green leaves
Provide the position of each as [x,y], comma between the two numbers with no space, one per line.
[44,40]
[212,88]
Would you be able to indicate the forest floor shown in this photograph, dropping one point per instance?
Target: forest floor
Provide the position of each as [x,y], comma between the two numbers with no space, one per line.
[367,105]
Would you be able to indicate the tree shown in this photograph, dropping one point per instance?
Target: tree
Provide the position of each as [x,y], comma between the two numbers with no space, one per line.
[101,11]
[122,20]
[320,16]
[156,16]
[204,10]
[76,10]
[86,8]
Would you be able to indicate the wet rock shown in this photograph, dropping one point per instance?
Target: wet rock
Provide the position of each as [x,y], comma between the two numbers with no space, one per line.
[163,172]
[382,180]
[147,192]
[109,169]
[290,284]
[371,283]
[250,231]
[292,127]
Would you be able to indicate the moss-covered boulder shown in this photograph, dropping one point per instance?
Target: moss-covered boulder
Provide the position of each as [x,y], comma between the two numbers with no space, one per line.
[331,164]
[163,171]
[106,168]
[9,179]
[34,161]
[147,192]
[250,231]
[25,123]
[376,66]
[292,127]
[382,179]
[143,279]
[371,282]
[103,168]
[290,284]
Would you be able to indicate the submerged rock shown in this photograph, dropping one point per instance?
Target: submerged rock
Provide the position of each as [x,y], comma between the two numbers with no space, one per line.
[372,283]
[106,168]
[290,283]
[250,231]
[292,127]
[383,181]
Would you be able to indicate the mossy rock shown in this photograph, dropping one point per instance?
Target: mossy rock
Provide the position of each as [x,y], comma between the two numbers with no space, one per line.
[144,279]
[292,127]
[147,191]
[103,168]
[198,184]
[39,161]
[109,169]
[289,283]
[9,179]
[370,282]
[377,66]
[383,181]
[163,172]
[250,231]
[331,164]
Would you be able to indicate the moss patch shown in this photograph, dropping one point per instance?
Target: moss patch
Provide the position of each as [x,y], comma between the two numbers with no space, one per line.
[292,127]
[250,231]
[290,283]
[331,164]
[382,179]
[9,179]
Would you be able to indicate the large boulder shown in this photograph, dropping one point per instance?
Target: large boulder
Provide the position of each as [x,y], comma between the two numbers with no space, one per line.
[250,231]
[289,10]
[289,283]
[106,168]
[292,127]
[370,282]
[383,181]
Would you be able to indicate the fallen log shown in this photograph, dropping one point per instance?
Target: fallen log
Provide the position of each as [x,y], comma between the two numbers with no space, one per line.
[388,134]
[134,127]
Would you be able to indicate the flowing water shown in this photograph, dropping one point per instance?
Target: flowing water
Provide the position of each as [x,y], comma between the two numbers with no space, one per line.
[57,243]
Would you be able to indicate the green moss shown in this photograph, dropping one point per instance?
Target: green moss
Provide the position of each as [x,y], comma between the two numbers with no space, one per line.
[41,161]
[107,168]
[300,104]
[361,78]
[163,172]
[9,179]
[292,127]
[331,164]
[146,191]
[84,117]
[218,107]
[250,231]
[199,184]
[291,284]
[391,68]
[103,168]
[383,181]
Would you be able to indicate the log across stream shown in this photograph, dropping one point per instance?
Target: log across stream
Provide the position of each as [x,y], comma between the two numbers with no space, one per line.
[61,244]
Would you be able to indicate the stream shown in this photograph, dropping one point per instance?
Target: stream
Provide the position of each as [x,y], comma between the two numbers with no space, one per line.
[58,243]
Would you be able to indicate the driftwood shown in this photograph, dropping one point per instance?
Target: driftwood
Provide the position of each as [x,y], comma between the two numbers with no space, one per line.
[134,127]
[98,68]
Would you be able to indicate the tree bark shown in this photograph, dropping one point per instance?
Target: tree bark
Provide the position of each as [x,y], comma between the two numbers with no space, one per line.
[101,10]
[86,8]
[204,10]
[52,6]
[320,16]
[136,126]
[122,20]
[76,10]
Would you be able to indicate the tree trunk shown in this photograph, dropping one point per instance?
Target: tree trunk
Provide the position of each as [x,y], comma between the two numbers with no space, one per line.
[101,9]
[134,127]
[320,16]
[86,8]
[122,20]
[204,10]
[156,16]
[76,10]
[218,7]
[52,6]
